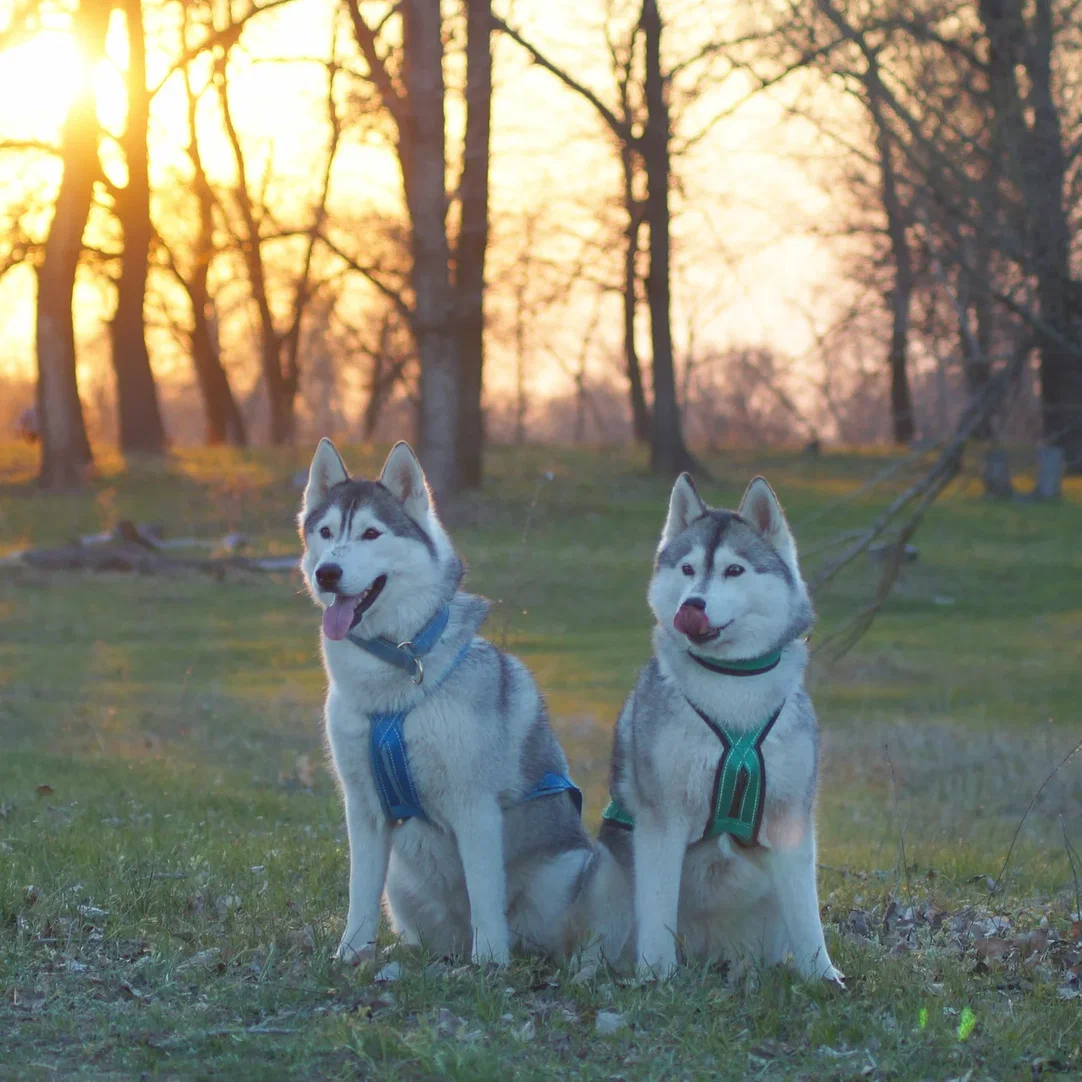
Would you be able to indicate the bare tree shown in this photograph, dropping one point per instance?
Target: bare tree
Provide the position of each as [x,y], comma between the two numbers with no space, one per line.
[532,291]
[863,78]
[224,420]
[668,454]
[623,54]
[644,140]
[978,130]
[409,83]
[389,357]
[279,347]
[65,450]
[472,243]
[901,293]
[137,396]
[1030,125]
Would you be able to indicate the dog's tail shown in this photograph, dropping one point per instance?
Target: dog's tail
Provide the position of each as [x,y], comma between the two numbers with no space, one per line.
[602,910]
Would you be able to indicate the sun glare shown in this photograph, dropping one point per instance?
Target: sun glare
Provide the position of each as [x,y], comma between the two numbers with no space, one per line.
[40,78]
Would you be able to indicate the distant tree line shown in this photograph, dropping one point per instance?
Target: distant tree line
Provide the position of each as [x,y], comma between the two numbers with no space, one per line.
[954,131]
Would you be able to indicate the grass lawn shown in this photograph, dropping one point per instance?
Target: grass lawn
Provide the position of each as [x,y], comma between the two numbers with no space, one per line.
[172,853]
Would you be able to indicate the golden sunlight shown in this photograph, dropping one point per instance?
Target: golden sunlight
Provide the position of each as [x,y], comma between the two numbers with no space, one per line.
[38,114]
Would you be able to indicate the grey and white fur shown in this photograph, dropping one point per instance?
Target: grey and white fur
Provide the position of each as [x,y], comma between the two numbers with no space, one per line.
[486,873]
[662,886]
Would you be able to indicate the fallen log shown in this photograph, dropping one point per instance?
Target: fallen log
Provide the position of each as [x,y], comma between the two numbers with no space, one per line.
[135,557]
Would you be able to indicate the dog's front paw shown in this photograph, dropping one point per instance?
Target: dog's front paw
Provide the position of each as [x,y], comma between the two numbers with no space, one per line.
[836,978]
[659,964]
[491,958]
[353,950]
[490,952]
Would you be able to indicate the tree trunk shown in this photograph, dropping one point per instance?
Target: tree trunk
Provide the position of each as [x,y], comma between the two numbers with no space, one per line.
[997,475]
[901,402]
[1050,467]
[374,406]
[521,285]
[976,347]
[65,449]
[973,292]
[1038,165]
[136,395]
[640,412]
[1059,296]
[668,455]
[903,427]
[224,420]
[473,240]
[578,434]
[422,155]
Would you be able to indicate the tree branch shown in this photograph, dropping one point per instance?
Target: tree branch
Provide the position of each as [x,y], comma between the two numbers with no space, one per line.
[619,128]
[372,275]
[367,40]
[226,38]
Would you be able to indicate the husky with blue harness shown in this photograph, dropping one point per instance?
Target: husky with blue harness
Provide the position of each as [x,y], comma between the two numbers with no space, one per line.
[458,804]
[707,849]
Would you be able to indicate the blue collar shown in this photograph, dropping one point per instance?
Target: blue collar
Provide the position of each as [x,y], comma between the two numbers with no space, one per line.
[407,655]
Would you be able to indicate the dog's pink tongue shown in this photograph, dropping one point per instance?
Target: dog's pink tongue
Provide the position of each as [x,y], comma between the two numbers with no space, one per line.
[691,621]
[337,618]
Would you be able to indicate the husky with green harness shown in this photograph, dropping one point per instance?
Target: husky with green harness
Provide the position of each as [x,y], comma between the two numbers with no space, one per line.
[707,847]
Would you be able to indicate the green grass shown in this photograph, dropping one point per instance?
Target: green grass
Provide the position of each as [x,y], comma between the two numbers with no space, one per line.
[156,734]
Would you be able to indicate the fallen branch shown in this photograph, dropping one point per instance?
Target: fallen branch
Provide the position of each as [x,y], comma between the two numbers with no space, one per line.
[918,497]
[1025,815]
[141,548]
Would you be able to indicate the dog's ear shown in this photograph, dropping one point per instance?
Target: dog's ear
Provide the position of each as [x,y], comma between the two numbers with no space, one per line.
[403,477]
[326,471]
[761,508]
[685,506]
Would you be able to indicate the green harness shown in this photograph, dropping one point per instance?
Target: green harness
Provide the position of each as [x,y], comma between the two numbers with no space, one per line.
[736,807]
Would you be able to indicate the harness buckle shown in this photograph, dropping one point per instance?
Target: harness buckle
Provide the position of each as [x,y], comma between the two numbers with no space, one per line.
[417,670]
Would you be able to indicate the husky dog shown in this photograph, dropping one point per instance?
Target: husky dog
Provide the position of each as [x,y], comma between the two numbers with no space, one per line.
[709,841]
[470,826]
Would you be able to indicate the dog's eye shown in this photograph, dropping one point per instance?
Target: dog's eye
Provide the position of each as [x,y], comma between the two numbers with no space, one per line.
[370,534]
[688,570]
[325,531]
[733,571]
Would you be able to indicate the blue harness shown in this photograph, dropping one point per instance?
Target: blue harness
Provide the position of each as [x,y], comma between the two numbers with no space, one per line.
[397,791]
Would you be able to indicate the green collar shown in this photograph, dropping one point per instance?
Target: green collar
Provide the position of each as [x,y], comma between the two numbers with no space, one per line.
[736,805]
[752,666]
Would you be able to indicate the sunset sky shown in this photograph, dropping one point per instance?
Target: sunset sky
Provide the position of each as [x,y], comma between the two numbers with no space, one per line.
[746,269]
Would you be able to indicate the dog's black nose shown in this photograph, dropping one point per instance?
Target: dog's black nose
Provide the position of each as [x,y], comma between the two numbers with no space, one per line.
[328,576]
[692,602]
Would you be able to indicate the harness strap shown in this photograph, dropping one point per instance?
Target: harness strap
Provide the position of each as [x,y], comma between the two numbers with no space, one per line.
[615,813]
[398,795]
[736,805]
[553,783]
[740,782]
[397,791]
